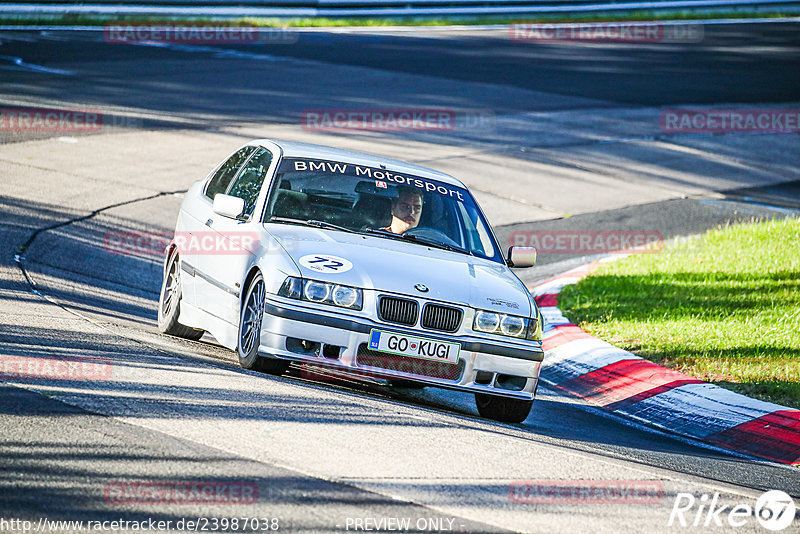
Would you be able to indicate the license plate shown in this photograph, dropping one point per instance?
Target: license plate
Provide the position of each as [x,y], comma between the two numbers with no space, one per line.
[414,347]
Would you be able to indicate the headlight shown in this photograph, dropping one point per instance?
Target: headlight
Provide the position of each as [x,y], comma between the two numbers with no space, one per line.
[486,321]
[344,296]
[321,292]
[502,324]
[536,327]
[512,326]
[316,291]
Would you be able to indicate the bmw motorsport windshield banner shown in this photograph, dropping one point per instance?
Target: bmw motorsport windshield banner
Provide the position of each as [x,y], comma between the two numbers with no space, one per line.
[382,177]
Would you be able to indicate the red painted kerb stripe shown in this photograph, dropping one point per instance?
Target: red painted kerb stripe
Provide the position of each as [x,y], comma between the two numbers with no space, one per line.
[775,436]
[626,380]
[549,299]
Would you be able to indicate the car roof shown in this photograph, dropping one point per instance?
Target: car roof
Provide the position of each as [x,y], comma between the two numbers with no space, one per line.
[293,149]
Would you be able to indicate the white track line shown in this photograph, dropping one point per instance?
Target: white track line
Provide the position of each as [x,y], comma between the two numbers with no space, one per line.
[410,29]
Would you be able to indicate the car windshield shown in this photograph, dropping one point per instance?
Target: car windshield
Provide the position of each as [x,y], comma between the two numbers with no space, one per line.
[357,198]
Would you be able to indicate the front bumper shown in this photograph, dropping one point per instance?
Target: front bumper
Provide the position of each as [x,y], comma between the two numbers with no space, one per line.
[327,337]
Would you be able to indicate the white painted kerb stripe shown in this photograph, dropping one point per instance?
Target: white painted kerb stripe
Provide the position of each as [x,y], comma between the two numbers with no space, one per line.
[553,317]
[699,410]
[554,286]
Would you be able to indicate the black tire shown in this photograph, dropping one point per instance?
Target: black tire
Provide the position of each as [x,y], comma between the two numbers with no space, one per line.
[169,303]
[250,331]
[503,409]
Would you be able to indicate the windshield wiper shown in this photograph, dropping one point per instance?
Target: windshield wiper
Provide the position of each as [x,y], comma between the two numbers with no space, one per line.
[381,231]
[312,222]
[420,240]
[438,244]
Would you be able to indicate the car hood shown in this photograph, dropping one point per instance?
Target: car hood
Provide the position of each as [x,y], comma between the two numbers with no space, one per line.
[395,266]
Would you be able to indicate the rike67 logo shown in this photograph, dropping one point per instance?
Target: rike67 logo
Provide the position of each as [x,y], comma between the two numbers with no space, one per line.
[774,510]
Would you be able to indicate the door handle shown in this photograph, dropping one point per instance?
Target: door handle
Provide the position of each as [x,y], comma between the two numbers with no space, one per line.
[209,222]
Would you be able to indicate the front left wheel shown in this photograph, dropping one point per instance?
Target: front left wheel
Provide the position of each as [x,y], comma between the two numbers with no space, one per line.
[250,331]
[169,303]
[503,409]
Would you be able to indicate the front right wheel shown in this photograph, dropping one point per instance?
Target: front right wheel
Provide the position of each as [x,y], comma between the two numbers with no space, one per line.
[250,331]
[503,409]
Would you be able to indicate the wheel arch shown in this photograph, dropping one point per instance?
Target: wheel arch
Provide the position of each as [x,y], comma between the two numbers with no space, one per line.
[169,250]
[254,270]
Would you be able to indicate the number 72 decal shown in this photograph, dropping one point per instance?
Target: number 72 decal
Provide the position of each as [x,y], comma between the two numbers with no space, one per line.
[324,263]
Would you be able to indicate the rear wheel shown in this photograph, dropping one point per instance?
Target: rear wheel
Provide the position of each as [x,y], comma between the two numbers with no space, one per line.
[250,331]
[169,303]
[503,409]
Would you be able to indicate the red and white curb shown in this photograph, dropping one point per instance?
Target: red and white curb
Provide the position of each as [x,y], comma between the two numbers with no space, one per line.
[625,384]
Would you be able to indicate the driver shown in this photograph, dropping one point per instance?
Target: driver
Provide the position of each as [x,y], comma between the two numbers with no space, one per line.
[406,210]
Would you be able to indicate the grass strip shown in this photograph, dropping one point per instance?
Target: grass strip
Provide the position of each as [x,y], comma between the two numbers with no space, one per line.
[323,22]
[723,307]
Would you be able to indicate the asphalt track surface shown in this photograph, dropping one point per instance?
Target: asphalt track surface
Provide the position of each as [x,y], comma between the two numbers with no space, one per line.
[573,144]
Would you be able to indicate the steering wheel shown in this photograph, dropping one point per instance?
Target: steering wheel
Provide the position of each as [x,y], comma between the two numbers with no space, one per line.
[431,234]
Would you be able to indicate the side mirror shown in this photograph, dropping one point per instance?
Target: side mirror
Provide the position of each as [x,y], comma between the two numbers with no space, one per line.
[521,256]
[228,206]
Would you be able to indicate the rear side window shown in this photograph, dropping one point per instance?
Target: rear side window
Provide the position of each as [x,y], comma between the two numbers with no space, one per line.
[222,179]
[247,185]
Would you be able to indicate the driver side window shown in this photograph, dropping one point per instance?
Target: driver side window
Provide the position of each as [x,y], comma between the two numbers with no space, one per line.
[219,183]
[247,185]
